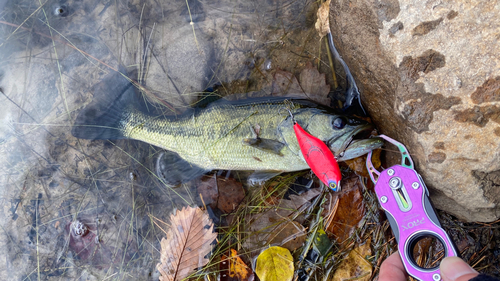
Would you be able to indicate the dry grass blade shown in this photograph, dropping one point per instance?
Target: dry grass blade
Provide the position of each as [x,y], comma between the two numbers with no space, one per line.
[188,242]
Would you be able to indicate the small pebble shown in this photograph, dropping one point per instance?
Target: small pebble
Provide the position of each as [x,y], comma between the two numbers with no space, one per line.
[268,64]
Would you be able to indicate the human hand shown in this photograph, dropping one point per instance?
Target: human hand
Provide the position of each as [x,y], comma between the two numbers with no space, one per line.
[392,269]
[452,269]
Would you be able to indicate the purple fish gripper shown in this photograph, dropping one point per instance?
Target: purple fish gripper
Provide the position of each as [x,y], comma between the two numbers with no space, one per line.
[403,195]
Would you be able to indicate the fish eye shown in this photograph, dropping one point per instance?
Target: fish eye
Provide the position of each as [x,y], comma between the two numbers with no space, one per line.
[339,123]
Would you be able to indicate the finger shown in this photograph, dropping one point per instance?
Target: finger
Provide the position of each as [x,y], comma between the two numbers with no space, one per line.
[455,269]
[392,269]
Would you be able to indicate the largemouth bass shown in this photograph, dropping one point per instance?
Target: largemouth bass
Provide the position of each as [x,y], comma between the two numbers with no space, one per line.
[253,134]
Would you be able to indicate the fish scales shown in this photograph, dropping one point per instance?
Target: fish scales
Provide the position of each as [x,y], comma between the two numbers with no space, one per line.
[212,139]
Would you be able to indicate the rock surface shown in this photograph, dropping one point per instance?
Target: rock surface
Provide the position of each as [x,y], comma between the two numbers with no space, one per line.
[429,75]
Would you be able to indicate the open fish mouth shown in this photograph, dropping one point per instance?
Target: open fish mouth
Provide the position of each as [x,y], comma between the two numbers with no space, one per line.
[357,143]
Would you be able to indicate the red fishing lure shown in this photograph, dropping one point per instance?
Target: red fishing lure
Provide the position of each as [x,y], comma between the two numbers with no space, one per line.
[319,158]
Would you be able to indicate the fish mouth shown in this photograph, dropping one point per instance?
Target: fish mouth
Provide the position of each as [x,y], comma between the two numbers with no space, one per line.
[356,143]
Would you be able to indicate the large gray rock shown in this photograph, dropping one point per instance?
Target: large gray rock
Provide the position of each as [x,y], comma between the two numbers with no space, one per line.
[429,74]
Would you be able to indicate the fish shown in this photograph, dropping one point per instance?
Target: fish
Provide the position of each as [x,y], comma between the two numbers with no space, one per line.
[254,134]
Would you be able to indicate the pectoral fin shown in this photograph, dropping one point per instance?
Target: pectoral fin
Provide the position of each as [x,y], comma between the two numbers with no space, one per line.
[267,145]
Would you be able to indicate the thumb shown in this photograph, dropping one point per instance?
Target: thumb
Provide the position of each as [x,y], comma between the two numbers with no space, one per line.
[455,269]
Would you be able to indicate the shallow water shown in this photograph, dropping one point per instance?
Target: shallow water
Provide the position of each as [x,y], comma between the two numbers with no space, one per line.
[53,56]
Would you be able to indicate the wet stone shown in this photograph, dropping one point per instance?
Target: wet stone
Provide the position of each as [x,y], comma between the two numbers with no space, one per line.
[417,84]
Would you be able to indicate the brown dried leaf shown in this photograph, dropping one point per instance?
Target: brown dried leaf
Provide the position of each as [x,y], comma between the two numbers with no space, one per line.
[188,242]
[312,85]
[350,211]
[358,165]
[274,226]
[355,266]
[231,193]
[323,23]
[290,235]
[208,191]
[286,84]
[223,193]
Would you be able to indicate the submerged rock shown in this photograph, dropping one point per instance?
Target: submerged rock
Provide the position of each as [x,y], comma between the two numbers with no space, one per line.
[429,75]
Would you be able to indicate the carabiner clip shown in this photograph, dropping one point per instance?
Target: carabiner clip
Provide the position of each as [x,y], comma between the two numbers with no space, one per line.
[406,160]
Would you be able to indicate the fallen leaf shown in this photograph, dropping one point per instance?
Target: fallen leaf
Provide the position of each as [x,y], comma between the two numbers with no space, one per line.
[85,244]
[312,85]
[350,211]
[376,158]
[188,242]
[322,243]
[330,207]
[220,192]
[275,226]
[234,268]
[285,83]
[323,23]
[231,193]
[290,235]
[355,266]
[275,264]
[207,188]
[358,165]
[297,202]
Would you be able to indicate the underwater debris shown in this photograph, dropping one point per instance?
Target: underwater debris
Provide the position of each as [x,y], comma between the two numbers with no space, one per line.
[78,228]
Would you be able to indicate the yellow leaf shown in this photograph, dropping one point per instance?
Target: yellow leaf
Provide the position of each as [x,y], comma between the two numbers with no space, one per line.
[355,266]
[323,23]
[188,242]
[275,264]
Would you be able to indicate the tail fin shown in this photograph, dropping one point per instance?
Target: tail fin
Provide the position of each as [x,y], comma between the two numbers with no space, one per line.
[101,119]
